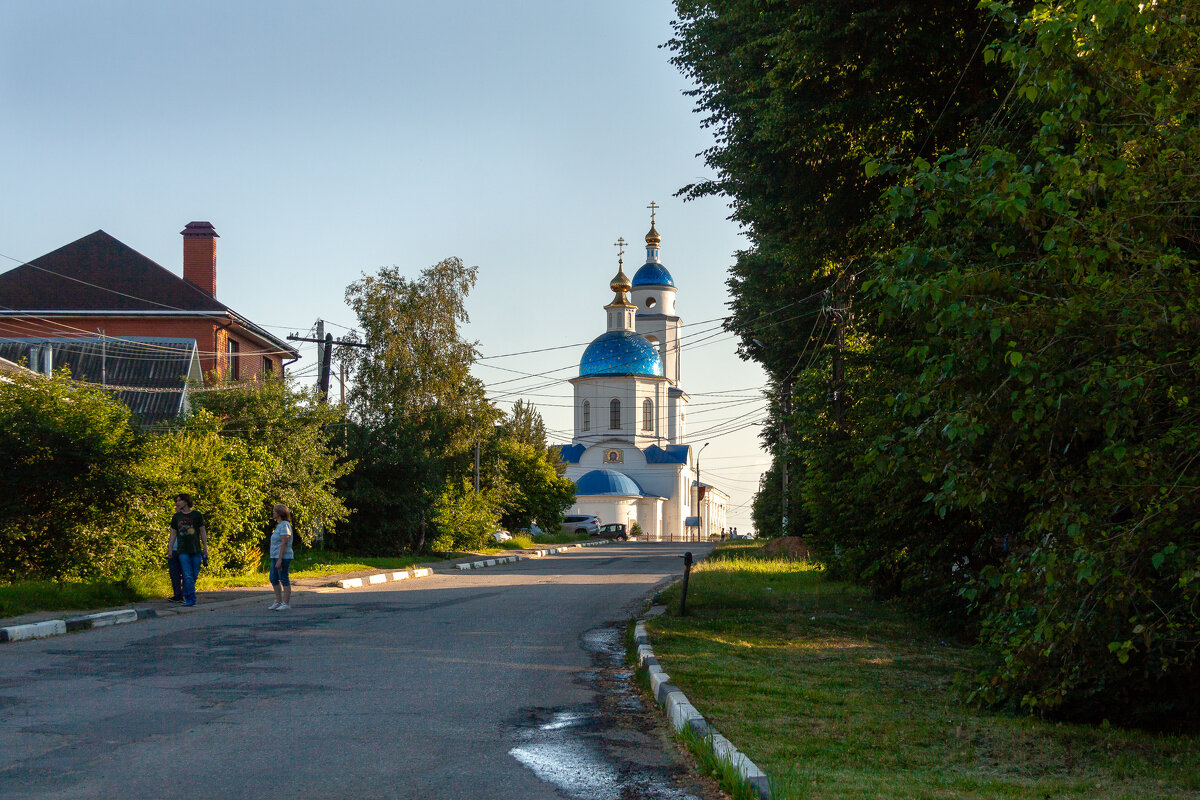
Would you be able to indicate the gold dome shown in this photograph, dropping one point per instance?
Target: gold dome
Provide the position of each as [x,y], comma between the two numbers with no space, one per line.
[652,238]
[620,282]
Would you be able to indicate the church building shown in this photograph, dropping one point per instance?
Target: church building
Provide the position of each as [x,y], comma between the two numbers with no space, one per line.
[629,457]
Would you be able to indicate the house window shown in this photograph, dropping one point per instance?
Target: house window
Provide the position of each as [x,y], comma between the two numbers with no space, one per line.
[614,414]
[647,414]
[587,415]
[235,371]
[268,366]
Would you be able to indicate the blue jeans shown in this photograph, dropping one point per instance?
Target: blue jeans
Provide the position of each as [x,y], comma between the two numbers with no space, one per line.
[189,563]
[279,575]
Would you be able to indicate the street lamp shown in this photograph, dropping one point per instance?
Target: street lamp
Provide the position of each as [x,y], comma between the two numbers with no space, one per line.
[699,498]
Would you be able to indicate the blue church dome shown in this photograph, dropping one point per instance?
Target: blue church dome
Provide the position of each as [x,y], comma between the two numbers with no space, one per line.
[607,481]
[652,274]
[620,353]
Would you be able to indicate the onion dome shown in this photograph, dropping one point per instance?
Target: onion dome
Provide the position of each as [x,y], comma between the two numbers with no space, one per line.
[607,481]
[620,285]
[620,352]
[653,274]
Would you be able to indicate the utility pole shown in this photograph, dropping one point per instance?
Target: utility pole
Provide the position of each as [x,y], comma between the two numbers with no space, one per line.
[320,340]
[325,353]
[699,499]
[785,408]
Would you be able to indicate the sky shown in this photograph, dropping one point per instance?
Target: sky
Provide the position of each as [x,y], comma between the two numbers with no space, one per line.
[325,140]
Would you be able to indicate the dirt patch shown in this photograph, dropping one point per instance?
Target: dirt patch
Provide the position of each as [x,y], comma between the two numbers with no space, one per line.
[788,547]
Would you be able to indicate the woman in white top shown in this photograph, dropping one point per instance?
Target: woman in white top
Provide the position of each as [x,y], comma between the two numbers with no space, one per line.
[281,557]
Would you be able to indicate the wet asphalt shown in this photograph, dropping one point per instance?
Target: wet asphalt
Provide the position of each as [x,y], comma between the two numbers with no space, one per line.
[505,682]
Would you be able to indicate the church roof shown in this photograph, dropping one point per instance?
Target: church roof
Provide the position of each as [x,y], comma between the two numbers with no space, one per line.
[620,352]
[607,482]
[671,454]
[571,453]
[653,274]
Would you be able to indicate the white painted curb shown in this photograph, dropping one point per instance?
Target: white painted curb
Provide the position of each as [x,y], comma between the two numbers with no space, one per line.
[491,562]
[683,714]
[57,627]
[383,577]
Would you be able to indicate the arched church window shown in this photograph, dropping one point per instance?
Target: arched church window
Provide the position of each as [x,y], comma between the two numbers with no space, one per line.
[587,415]
[651,302]
[614,414]
[647,414]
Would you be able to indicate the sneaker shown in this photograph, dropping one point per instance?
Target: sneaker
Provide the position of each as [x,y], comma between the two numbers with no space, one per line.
[187,603]
[175,600]
[274,606]
[282,607]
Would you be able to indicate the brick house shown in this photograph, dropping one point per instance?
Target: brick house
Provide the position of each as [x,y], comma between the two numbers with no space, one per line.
[99,285]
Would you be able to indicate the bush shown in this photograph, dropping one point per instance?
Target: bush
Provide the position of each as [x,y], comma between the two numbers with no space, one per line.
[70,469]
[464,519]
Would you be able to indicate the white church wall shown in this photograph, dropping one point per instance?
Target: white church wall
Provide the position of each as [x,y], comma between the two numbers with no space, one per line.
[649,516]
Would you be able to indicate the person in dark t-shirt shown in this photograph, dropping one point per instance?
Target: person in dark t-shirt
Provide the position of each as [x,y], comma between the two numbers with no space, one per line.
[189,540]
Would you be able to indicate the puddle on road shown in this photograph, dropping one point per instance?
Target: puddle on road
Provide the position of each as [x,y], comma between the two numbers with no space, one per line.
[615,748]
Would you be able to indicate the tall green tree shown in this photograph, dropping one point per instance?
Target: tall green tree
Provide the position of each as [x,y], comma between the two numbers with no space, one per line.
[1047,279]
[417,408]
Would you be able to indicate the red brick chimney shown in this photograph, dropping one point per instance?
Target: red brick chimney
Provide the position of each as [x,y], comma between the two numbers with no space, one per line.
[200,256]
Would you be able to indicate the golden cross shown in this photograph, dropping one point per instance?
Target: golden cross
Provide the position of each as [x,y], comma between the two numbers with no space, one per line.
[620,242]
[653,207]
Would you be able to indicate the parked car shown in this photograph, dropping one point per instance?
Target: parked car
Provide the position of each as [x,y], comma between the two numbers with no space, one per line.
[501,536]
[613,530]
[581,525]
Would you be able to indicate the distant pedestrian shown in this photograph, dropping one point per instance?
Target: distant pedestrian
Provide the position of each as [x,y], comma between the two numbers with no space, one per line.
[175,571]
[189,541]
[281,557]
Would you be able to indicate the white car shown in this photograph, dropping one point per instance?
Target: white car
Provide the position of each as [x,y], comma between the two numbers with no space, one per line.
[501,536]
[581,524]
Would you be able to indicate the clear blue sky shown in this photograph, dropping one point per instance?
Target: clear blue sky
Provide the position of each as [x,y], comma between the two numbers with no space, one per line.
[324,140]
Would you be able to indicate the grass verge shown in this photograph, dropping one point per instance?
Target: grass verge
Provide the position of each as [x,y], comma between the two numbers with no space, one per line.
[25,597]
[835,696]
[523,541]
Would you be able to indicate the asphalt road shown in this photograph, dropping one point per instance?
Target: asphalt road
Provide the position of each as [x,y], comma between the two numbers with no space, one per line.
[505,682]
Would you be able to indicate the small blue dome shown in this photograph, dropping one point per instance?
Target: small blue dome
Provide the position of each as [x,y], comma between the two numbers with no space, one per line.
[620,353]
[652,274]
[607,481]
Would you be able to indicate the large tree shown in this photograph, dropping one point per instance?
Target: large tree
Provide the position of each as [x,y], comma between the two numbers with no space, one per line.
[417,409]
[1047,278]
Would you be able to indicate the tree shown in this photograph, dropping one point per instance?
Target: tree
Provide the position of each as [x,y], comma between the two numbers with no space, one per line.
[417,408]
[524,424]
[71,467]
[296,432]
[224,474]
[534,491]
[1047,278]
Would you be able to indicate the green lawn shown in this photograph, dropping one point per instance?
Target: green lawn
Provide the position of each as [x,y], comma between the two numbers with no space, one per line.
[835,696]
[23,597]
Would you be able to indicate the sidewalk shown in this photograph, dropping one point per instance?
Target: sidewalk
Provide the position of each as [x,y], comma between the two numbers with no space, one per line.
[223,597]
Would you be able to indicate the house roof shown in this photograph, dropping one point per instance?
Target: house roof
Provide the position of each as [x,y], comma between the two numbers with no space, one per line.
[152,371]
[100,274]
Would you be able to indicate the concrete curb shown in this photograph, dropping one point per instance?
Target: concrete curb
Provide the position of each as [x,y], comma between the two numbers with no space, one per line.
[491,562]
[383,577]
[57,627]
[683,714]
